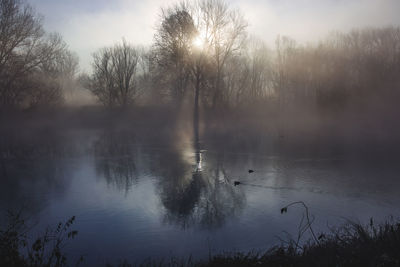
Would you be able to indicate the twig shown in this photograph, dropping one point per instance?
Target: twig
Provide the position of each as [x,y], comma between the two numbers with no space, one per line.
[309,221]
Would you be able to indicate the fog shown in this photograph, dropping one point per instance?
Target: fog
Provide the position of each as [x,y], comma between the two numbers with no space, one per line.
[189,139]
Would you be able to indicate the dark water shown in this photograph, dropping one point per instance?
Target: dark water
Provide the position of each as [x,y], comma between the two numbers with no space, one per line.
[161,194]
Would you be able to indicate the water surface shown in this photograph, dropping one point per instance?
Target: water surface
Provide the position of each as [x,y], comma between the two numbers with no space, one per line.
[139,194]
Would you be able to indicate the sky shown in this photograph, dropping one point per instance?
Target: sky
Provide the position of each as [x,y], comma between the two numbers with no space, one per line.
[87,25]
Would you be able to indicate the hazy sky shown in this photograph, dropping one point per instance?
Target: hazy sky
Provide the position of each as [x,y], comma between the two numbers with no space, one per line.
[88,25]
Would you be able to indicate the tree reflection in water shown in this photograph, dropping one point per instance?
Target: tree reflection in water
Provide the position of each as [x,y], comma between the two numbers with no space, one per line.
[196,193]
[115,159]
[191,185]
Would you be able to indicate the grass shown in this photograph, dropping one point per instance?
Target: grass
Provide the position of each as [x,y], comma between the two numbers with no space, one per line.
[352,244]
[17,248]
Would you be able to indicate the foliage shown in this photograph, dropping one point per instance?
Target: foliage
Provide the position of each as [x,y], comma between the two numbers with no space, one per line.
[46,250]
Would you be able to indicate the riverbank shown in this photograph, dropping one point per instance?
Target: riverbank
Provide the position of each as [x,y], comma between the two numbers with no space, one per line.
[352,244]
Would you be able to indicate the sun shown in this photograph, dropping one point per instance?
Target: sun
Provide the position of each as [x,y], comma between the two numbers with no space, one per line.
[198,41]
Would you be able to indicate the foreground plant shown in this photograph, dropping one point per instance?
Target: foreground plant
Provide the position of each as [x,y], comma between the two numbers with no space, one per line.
[352,244]
[46,250]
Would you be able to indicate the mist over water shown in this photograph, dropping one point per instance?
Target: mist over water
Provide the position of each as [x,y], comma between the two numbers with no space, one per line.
[140,193]
[191,146]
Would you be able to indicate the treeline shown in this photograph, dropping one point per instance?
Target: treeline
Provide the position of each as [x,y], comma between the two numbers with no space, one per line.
[356,68]
[35,66]
[202,55]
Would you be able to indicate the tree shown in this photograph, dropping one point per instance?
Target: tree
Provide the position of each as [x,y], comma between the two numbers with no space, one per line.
[172,50]
[26,51]
[248,76]
[115,75]
[224,31]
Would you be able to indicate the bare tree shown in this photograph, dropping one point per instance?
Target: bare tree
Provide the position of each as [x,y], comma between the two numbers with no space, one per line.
[101,82]
[248,78]
[25,50]
[115,75]
[172,50]
[125,60]
[145,76]
[225,32]
[43,90]
[192,46]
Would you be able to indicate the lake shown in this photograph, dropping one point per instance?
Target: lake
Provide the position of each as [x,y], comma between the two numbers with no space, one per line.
[160,193]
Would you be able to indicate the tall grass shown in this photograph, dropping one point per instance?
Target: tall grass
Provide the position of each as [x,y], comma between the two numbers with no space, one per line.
[352,244]
[17,248]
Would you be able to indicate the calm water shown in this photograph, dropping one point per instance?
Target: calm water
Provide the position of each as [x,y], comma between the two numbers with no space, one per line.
[160,194]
